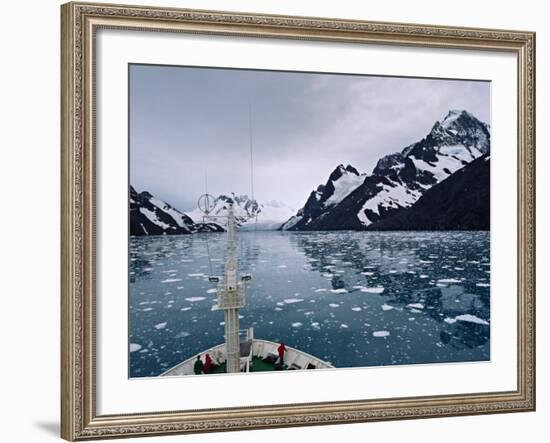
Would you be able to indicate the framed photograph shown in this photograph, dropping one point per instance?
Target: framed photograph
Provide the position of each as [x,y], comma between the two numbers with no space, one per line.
[282,221]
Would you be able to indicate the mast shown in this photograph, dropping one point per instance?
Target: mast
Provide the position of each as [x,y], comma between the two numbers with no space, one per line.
[231,296]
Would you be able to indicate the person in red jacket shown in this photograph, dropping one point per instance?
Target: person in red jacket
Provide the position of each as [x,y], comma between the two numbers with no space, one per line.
[207,364]
[281,351]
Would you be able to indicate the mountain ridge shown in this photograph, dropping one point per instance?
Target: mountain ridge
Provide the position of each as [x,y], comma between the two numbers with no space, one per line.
[398,180]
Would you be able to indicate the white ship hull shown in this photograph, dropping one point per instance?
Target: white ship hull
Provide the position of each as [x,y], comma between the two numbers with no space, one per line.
[294,359]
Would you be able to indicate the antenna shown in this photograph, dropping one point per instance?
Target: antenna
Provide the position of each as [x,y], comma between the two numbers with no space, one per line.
[250,141]
[206,203]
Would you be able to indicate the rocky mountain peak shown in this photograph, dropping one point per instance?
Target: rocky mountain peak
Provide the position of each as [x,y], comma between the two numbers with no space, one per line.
[350,200]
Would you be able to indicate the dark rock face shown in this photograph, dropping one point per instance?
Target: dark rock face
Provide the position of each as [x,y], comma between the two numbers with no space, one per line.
[325,196]
[461,202]
[397,181]
[151,216]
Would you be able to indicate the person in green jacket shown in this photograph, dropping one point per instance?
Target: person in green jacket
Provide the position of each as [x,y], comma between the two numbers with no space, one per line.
[199,366]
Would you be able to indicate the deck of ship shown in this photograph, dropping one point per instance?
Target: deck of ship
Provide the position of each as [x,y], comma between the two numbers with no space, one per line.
[256,356]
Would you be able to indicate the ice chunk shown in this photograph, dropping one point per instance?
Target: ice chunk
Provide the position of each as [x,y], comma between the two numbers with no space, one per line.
[334,305]
[415,305]
[483,285]
[134,347]
[449,320]
[357,309]
[171,280]
[296,324]
[161,325]
[471,319]
[289,301]
[380,333]
[321,290]
[188,308]
[374,290]
[339,291]
[192,299]
[449,280]
[386,307]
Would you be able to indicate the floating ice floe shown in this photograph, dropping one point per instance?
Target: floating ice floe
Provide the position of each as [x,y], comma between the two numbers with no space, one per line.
[386,307]
[161,325]
[374,290]
[380,333]
[146,309]
[278,309]
[171,280]
[183,334]
[449,280]
[290,301]
[471,319]
[415,305]
[211,291]
[296,324]
[134,347]
[334,305]
[423,276]
[339,291]
[344,326]
[197,274]
[449,320]
[321,290]
[188,308]
[193,299]
[483,285]
[357,309]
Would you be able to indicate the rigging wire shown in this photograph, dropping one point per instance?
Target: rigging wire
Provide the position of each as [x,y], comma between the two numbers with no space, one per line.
[251,144]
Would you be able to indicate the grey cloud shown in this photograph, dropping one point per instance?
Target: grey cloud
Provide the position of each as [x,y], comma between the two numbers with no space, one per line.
[188,122]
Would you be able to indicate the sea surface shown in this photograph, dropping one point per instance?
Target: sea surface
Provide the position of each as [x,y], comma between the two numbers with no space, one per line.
[352,298]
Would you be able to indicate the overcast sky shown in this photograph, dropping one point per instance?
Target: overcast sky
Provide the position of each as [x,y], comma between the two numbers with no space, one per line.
[188,123]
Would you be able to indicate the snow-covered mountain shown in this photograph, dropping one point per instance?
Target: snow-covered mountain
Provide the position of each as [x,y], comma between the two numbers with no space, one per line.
[342,182]
[461,202]
[350,200]
[249,213]
[152,216]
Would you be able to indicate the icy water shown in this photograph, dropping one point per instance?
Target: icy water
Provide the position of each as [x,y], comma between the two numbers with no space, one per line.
[352,298]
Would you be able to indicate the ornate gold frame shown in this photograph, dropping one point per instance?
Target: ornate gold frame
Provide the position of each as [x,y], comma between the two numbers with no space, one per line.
[80,21]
